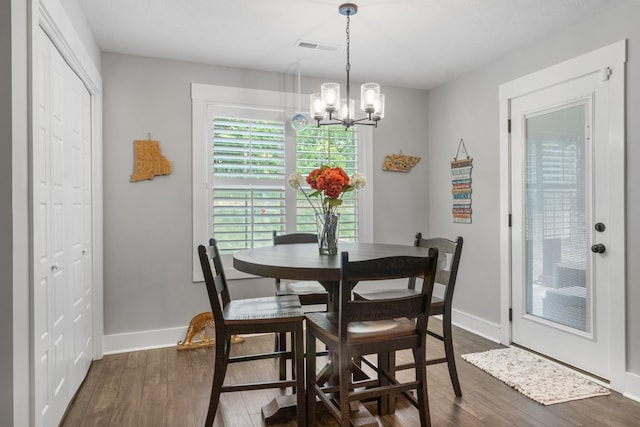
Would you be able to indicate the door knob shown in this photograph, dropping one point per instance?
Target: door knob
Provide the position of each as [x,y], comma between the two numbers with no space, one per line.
[598,248]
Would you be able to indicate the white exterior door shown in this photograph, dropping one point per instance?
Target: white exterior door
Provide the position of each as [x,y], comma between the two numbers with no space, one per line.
[560,178]
[562,185]
[62,235]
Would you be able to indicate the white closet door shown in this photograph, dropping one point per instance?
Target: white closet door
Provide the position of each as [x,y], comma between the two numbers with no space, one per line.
[78,191]
[62,266]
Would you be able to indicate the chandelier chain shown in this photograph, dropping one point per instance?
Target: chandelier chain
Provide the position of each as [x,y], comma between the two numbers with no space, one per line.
[348,53]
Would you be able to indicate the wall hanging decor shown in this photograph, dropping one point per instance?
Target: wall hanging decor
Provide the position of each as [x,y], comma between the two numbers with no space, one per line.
[399,162]
[461,182]
[149,161]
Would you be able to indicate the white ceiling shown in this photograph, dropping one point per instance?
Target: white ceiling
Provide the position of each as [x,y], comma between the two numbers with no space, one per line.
[403,43]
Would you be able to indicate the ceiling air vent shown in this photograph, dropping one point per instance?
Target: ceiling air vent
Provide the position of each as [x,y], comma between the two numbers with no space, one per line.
[315,45]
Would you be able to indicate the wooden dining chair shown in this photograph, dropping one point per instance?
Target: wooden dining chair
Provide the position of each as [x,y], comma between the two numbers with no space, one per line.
[363,327]
[310,293]
[449,252]
[279,314]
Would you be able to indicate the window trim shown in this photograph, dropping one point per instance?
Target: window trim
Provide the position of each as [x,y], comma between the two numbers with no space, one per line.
[204,98]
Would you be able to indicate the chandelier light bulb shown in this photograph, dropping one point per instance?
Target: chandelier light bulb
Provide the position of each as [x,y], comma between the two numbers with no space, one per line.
[316,106]
[378,114]
[369,96]
[330,96]
[347,107]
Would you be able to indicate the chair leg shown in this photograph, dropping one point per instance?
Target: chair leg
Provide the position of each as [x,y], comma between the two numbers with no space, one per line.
[344,378]
[311,378]
[297,364]
[219,372]
[384,401]
[281,345]
[387,404]
[448,350]
[419,354]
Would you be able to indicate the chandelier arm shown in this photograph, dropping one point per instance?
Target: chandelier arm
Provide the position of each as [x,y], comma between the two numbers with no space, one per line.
[366,122]
[363,121]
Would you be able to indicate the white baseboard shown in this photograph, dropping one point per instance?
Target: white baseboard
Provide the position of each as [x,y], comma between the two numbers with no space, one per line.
[147,340]
[476,325]
[142,340]
[632,386]
[159,338]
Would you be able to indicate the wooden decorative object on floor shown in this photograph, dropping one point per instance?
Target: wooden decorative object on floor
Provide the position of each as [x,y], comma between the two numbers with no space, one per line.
[197,327]
[149,161]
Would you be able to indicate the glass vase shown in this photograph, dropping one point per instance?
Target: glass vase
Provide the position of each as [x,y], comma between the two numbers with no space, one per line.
[328,230]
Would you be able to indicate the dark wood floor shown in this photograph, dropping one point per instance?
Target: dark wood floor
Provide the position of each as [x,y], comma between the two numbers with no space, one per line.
[165,387]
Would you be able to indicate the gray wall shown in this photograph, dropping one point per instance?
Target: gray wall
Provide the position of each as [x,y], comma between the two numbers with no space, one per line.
[147,225]
[468,107]
[6,223]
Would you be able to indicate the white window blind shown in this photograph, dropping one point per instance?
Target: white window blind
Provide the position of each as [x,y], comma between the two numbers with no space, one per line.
[333,146]
[248,182]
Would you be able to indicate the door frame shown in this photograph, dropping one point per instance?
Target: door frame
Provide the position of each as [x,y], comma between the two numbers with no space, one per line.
[51,16]
[609,62]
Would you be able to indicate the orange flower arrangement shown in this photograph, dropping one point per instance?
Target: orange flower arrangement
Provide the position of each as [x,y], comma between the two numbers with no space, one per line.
[329,185]
[333,181]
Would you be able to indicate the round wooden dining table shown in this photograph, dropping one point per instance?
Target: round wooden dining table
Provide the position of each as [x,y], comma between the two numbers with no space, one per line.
[302,261]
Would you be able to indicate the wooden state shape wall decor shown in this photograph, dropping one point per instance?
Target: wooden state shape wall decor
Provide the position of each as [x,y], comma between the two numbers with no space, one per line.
[149,161]
[399,162]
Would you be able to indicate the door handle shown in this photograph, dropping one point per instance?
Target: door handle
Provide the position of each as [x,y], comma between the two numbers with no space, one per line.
[598,248]
[55,267]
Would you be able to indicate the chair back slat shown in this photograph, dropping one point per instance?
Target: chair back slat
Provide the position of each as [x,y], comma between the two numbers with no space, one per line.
[219,282]
[363,311]
[386,268]
[449,252]
[215,281]
[397,267]
[284,239]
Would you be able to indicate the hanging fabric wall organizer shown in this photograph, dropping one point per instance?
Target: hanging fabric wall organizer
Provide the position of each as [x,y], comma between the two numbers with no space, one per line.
[461,183]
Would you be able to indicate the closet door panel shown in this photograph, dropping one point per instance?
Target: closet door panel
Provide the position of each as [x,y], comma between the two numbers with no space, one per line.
[43,318]
[60,183]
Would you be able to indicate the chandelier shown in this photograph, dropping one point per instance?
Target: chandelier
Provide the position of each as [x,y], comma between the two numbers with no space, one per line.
[327,108]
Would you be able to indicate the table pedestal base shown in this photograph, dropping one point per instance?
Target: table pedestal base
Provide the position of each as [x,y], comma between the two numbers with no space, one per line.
[283,409]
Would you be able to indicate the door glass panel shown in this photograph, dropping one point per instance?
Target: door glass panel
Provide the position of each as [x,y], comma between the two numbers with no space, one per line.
[556,253]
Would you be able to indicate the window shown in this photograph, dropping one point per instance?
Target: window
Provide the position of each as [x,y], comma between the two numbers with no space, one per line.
[243,152]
